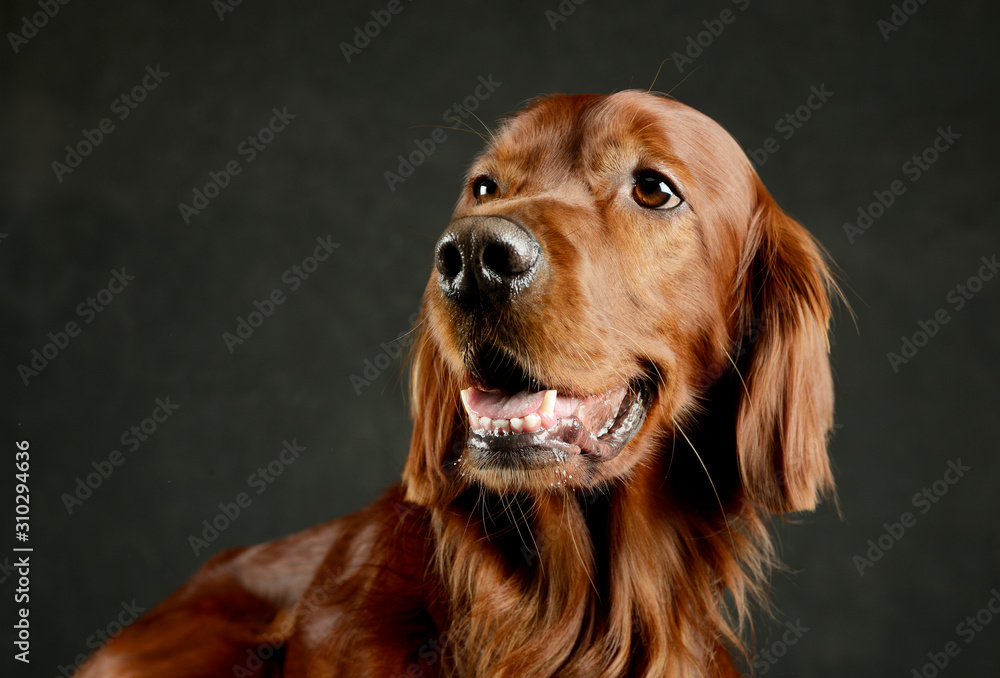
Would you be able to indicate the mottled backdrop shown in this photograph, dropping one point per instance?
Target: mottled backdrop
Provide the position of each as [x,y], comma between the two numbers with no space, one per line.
[217,219]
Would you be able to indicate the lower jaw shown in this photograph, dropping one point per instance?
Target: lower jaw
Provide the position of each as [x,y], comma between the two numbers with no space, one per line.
[531,468]
[517,452]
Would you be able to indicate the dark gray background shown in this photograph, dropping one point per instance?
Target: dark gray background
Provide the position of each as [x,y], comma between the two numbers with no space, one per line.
[324,175]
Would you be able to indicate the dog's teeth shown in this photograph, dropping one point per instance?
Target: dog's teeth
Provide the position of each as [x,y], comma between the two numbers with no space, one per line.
[531,423]
[501,424]
[485,422]
[548,403]
[465,398]
[516,424]
[547,410]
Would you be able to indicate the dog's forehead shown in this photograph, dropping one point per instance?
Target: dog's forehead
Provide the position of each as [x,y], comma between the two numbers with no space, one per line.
[618,132]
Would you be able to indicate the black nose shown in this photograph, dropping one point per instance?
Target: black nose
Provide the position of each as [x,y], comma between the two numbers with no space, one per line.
[485,259]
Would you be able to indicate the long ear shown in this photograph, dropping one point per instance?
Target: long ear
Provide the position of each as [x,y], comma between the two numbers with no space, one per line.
[434,408]
[786,409]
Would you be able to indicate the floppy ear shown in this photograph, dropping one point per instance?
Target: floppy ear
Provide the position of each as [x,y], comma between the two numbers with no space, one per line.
[434,407]
[786,409]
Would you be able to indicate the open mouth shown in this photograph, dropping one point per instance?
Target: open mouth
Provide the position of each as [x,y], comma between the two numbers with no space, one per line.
[526,425]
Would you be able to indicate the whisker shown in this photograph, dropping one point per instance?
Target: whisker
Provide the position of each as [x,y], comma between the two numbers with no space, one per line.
[485,126]
[693,71]
[531,533]
[650,88]
[746,389]
[467,128]
[708,475]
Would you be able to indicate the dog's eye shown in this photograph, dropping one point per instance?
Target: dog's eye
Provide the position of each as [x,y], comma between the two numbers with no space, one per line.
[653,190]
[485,189]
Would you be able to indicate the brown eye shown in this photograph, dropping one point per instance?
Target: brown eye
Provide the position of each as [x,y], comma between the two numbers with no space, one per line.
[654,191]
[485,189]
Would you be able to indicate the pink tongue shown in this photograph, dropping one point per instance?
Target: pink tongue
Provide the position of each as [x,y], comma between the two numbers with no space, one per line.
[500,405]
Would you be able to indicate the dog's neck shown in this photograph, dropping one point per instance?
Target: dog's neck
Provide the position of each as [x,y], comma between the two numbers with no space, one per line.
[621,581]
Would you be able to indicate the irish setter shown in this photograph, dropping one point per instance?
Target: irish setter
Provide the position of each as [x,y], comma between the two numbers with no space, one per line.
[621,373]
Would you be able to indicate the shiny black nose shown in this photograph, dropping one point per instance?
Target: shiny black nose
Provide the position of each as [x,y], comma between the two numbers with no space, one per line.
[485,259]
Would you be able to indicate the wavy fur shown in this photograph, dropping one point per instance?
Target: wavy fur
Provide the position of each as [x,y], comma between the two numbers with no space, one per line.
[645,564]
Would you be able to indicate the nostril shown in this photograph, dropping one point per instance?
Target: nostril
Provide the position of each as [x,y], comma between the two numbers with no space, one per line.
[449,260]
[508,259]
[499,259]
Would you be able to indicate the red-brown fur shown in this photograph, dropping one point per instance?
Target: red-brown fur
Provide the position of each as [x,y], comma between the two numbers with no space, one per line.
[643,565]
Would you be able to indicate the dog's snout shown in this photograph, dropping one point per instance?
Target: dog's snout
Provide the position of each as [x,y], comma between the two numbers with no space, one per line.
[485,259]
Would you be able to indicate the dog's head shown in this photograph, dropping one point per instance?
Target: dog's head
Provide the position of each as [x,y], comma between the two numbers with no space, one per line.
[612,263]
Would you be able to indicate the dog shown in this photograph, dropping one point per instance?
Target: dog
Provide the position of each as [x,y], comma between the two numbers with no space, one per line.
[620,374]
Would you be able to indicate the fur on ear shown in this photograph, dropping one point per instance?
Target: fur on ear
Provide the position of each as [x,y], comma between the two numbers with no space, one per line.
[786,407]
[434,407]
